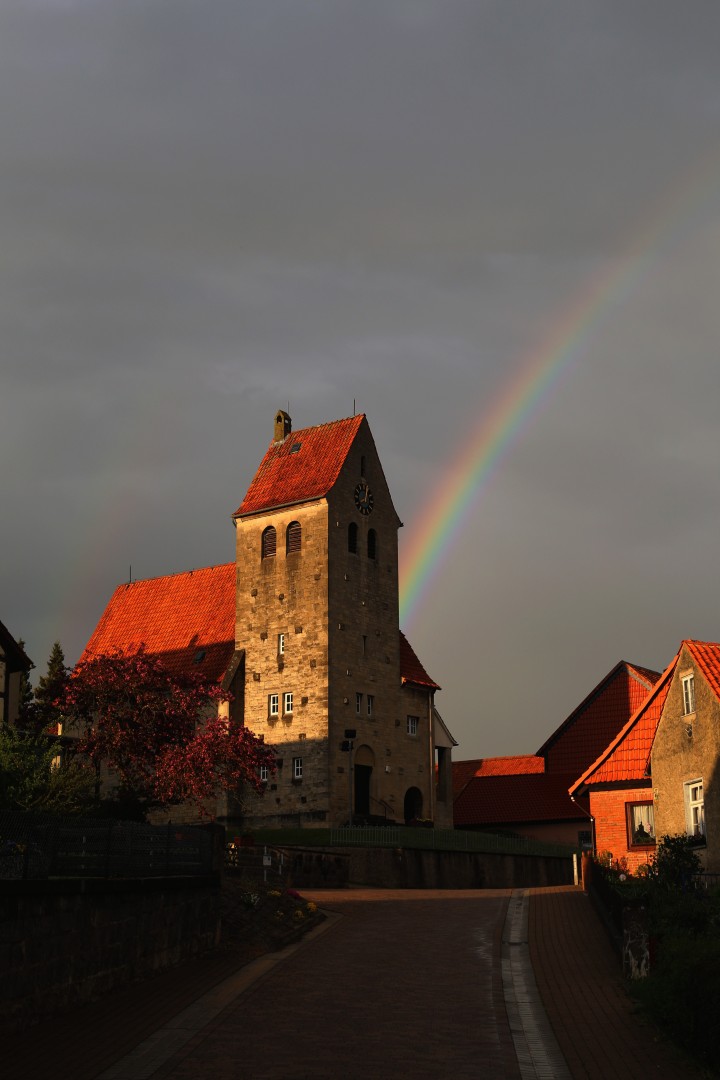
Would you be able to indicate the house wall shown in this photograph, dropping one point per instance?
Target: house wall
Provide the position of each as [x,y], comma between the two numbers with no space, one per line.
[608,809]
[679,757]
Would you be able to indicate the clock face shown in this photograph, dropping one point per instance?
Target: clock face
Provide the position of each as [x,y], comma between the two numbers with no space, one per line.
[364,498]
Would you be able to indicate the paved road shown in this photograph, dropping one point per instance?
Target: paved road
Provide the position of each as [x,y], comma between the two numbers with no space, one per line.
[408,984]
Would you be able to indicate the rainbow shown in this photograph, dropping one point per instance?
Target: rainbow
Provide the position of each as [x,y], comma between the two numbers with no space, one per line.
[439,523]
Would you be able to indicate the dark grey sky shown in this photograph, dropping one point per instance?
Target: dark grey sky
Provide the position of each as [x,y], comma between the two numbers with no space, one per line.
[211,209]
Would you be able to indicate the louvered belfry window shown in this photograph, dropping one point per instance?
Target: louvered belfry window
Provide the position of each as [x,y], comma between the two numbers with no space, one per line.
[293,537]
[269,542]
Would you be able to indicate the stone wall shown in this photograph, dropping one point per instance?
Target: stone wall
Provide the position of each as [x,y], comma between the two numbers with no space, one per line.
[67,942]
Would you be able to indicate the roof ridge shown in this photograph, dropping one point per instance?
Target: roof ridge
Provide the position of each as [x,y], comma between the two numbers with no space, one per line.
[176,573]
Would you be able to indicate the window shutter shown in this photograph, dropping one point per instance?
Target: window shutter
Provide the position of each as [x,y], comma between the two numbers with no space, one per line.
[294,537]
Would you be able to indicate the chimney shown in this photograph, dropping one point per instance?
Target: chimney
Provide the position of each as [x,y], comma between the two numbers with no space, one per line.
[283,425]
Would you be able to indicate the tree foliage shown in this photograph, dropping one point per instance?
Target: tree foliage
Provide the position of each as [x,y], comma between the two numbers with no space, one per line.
[158,732]
[33,778]
[26,691]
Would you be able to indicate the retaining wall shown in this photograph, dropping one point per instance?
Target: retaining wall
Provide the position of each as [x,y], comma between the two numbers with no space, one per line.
[64,942]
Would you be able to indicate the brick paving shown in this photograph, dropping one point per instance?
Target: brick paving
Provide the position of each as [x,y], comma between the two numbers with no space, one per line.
[401,984]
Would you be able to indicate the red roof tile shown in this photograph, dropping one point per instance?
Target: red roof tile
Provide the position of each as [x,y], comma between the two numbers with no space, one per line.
[706,655]
[508,800]
[287,476]
[411,670]
[464,771]
[626,759]
[593,725]
[176,618]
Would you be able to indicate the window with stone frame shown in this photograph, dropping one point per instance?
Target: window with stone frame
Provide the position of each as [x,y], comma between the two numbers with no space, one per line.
[297,768]
[274,705]
[287,702]
[694,798]
[640,821]
[293,538]
[412,725]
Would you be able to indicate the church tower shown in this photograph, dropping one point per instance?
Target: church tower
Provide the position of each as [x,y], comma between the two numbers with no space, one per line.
[317,618]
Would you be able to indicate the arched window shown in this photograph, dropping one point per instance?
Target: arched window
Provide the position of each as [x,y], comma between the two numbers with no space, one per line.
[352,537]
[372,544]
[269,542]
[293,537]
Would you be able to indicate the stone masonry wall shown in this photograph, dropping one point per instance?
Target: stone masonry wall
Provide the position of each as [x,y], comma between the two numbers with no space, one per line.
[66,942]
[688,748]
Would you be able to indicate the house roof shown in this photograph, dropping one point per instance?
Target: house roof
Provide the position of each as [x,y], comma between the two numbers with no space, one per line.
[16,659]
[180,616]
[627,757]
[411,670]
[508,800]
[303,466]
[596,721]
[706,655]
[188,620]
[464,771]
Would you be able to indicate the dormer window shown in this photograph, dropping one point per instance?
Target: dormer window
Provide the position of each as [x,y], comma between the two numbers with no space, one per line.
[688,686]
[269,542]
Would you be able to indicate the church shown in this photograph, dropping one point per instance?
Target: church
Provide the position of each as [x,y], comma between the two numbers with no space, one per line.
[302,630]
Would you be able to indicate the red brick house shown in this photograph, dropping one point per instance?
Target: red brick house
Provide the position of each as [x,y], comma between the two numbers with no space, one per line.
[529,795]
[619,784]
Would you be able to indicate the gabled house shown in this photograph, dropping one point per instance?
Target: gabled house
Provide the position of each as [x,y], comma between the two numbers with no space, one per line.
[14,663]
[685,756]
[619,784]
[533,799]
[302,629]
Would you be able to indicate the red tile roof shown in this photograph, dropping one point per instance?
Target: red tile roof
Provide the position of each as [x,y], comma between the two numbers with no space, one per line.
[627,758]
[706,655]
[411,670]
[464,771]
[287,475]
[176,618]
[508,800]
[593,725]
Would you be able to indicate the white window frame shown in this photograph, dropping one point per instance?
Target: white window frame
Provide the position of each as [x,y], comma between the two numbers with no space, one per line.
[694,795]
[274,705]
[297,768]
[264,774]
[370,704]
[688,688]
[413,723]
[287,703]
[358,703]
[281,644]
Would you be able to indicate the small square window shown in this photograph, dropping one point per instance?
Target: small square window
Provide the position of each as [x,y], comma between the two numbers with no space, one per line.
[274,705]
[297,768]
[287,702]
[688,685]
[412,725]
[281,644]
[640,820]
[358,703]
[370,704]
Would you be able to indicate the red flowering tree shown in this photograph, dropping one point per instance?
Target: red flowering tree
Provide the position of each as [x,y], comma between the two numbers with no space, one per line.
[158,732]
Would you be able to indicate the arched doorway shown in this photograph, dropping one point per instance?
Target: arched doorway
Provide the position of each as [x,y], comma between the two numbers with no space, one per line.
[364,762]
[413,804]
